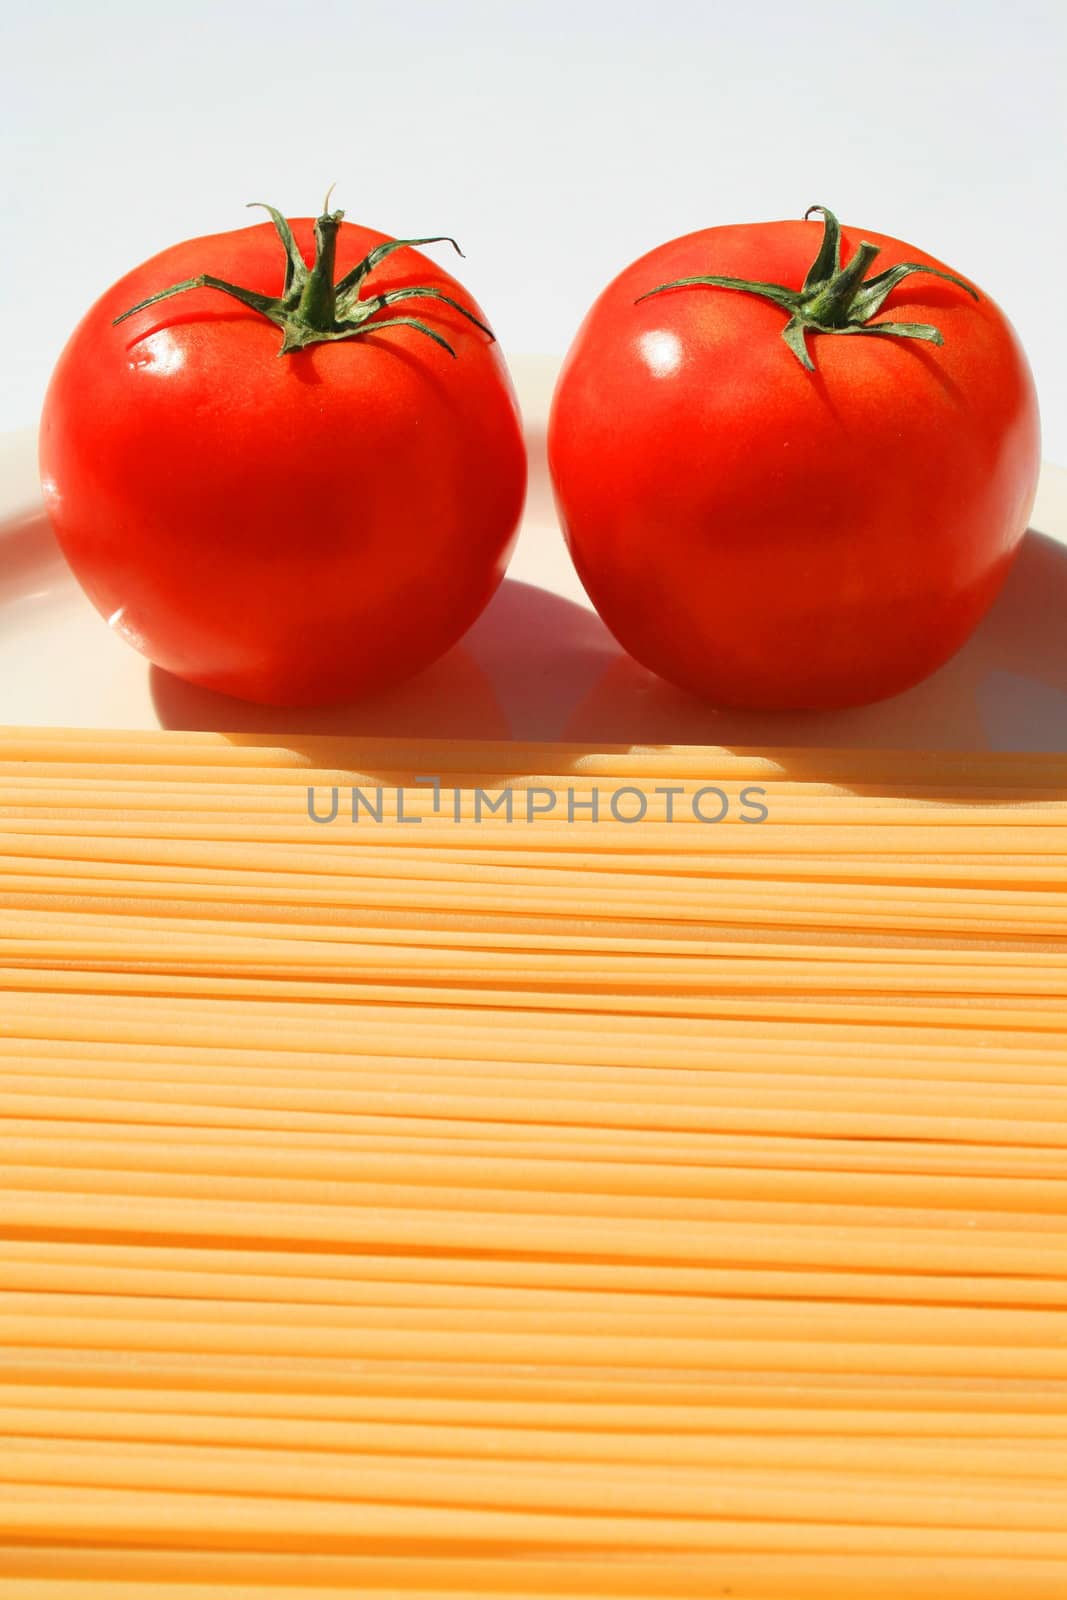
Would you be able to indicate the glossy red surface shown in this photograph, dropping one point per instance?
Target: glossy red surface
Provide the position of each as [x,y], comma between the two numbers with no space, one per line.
[774,538]
[291,529]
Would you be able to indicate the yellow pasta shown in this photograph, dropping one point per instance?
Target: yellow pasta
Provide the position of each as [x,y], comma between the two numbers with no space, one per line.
[451,1202]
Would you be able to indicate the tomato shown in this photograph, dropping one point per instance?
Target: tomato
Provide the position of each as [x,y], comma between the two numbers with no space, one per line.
[816,520]
[277,491]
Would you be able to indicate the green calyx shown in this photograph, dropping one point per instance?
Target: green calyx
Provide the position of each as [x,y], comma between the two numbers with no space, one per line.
[833,298]
[312,308]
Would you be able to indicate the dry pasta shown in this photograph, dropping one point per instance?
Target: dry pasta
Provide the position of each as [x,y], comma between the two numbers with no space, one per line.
[434,1202]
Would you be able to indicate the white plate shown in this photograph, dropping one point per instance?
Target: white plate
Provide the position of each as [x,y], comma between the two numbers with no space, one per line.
[538,664]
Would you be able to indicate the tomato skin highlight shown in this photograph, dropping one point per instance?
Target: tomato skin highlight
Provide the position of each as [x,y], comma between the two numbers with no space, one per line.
[295,529]
[771,538]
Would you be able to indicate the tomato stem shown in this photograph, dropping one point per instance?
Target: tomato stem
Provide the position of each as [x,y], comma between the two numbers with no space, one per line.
[312,307]
[833,299]
[318,307]
[831,304]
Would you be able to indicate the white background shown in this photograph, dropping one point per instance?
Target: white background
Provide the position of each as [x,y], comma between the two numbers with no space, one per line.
[557,140]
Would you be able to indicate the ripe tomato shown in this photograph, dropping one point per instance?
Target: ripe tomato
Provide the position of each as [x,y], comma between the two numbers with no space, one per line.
[809,521]
[291,519]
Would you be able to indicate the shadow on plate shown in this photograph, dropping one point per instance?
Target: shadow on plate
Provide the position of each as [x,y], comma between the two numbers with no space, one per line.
[517,675]
[1006,690]
[537,667]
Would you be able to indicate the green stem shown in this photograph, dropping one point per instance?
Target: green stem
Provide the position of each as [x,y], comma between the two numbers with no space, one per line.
[832,299]
[832,304]
[313,307]
[317,307]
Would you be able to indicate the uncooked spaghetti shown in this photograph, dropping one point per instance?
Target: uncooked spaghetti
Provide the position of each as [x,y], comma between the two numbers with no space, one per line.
[433,1198]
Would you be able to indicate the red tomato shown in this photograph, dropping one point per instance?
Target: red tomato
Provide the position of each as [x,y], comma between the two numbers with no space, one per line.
[293,528]
[769,535]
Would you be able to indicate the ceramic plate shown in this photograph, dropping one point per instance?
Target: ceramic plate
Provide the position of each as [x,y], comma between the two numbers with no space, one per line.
[539,664]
